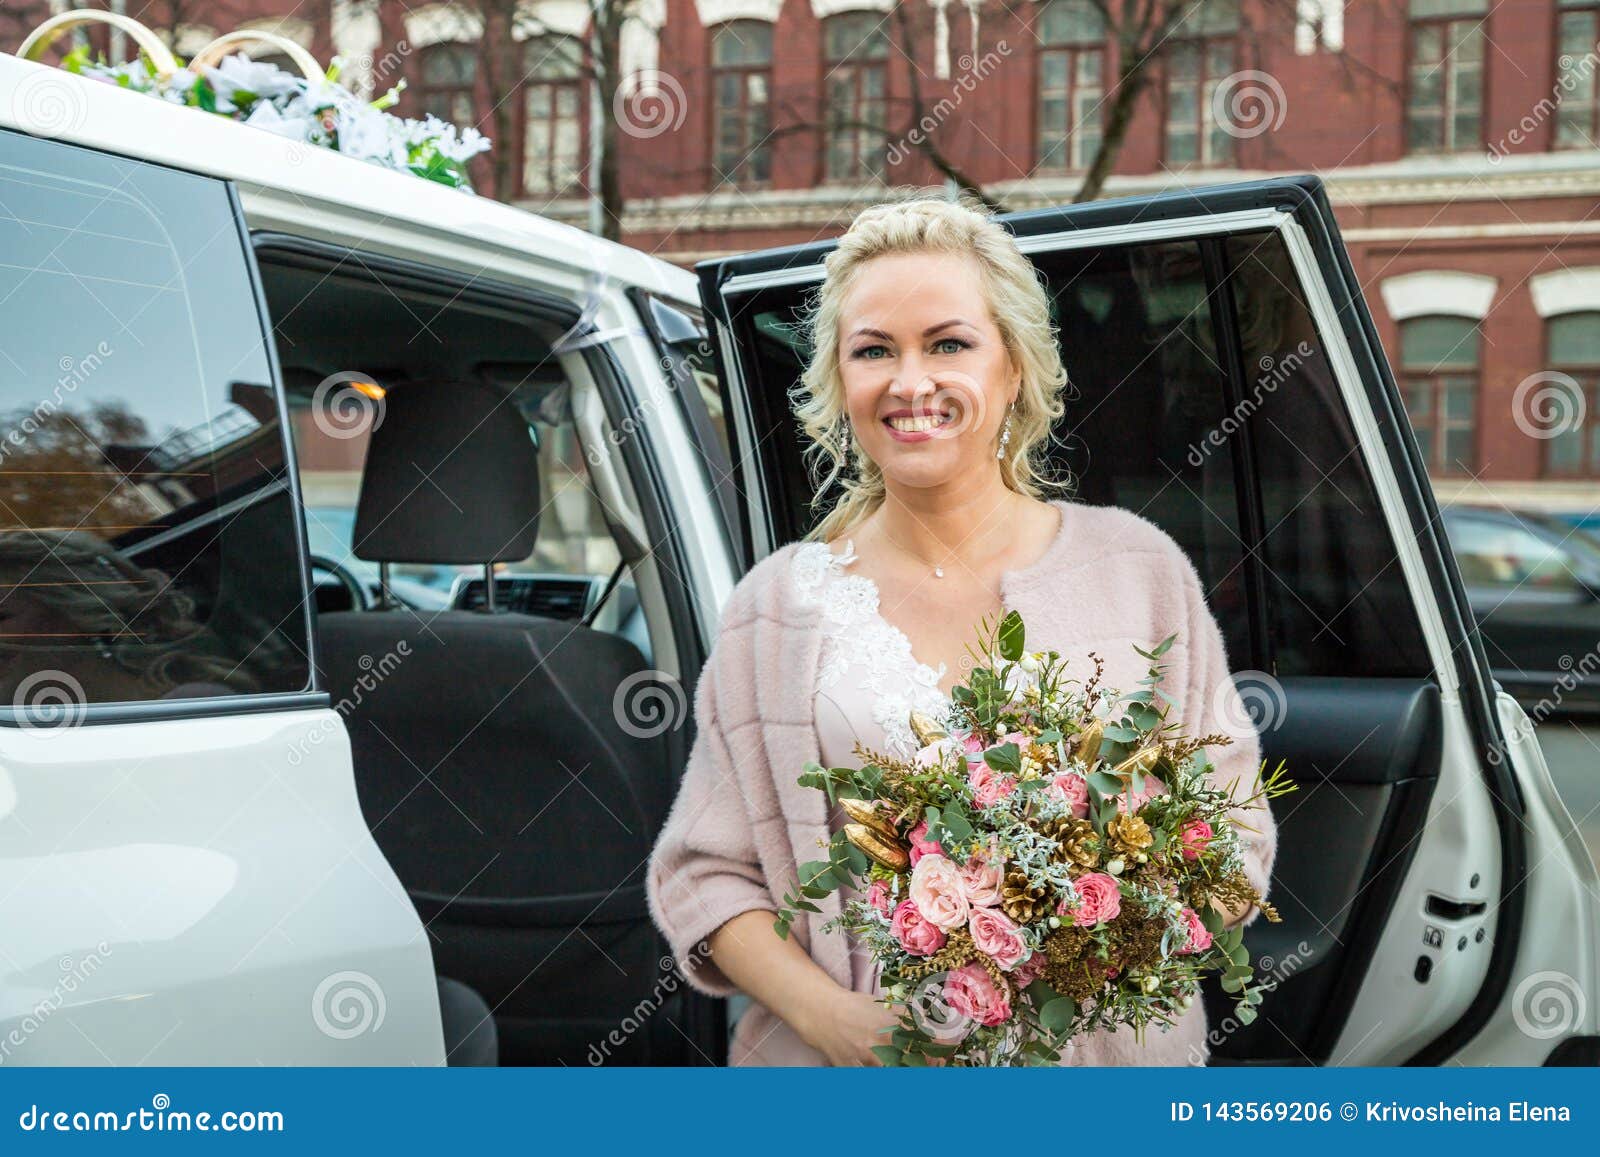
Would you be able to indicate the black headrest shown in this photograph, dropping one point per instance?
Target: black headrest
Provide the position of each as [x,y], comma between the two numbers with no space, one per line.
[452,476]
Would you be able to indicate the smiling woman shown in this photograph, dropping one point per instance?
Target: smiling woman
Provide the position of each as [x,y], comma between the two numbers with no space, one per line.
[934,379]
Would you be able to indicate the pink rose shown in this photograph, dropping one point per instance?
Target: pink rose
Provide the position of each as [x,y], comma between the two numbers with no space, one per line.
[921,845]
[1199,935]
[974,743]
[997,936]
[912,929]
[971,992]
[988,786]
[933,754]
[982,878]
[1195,837]
[1099,899]
[1030,969]
[1071,788]
[878,896]
[936,887]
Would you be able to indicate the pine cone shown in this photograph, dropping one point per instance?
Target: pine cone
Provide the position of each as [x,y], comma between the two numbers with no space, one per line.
[1130,834]
[1073,839]
[1022,901]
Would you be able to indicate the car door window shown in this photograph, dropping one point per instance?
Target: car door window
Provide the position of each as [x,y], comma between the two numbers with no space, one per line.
[1335,598]
[148,542]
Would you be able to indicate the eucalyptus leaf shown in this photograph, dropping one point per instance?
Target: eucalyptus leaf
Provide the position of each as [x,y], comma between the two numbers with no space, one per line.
[1010,640]
[1057,1015]
[1006,758]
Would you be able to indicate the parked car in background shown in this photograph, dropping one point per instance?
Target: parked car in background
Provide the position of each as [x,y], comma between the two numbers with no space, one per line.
[1533,582]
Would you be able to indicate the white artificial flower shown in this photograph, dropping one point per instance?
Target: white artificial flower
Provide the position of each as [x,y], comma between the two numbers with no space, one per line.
[239,74]
[366,135]
[472,143]
[265,115]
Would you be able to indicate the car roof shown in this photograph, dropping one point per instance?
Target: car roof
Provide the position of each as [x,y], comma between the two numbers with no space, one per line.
[48,102]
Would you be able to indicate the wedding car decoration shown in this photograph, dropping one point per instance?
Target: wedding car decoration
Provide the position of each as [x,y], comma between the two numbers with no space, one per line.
[310,107]
[1050,862]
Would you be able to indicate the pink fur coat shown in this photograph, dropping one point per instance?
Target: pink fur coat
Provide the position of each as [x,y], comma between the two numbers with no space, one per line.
[1110,580]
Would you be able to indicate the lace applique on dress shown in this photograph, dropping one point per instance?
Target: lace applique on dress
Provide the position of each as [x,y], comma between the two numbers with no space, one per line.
[855,634]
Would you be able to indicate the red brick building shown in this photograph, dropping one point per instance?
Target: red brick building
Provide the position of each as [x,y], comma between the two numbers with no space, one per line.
[1458,139]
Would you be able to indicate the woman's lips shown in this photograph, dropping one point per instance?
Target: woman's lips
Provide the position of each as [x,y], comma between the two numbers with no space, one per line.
[925,430]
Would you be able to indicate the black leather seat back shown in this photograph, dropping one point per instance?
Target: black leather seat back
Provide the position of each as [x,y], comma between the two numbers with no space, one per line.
[492,766]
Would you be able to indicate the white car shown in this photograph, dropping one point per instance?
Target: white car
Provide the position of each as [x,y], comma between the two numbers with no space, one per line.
[235,829]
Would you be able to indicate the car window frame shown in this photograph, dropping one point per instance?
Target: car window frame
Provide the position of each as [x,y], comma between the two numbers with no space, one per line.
[725,490]
[309,697]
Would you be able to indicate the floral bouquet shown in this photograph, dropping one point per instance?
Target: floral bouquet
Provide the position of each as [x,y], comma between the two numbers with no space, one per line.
[1048,864]
[322,113]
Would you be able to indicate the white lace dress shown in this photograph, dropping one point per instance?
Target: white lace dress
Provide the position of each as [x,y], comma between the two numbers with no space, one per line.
[868,681]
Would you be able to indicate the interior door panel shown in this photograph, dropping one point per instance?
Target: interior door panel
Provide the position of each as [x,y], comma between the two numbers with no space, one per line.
[1365,755]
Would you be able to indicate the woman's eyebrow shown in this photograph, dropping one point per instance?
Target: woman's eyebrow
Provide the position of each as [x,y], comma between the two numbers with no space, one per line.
[865,331]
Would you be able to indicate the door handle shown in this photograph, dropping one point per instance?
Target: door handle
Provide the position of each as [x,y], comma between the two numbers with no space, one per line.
[1447,909]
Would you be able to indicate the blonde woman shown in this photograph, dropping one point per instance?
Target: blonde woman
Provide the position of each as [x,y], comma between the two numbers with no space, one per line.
[934,382]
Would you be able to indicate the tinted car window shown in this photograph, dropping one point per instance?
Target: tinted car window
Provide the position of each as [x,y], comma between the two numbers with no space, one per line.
[1336,600]
[148,540]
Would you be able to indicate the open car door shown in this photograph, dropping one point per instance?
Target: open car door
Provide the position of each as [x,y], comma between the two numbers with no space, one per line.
[1228,384]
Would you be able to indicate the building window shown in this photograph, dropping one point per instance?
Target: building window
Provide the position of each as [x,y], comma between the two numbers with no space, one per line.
[741,65]
[1070,84]
[1201,56]
[1444,94]
[1578,119]
[855,59]
[1572,344]
[555,110]
[1439,371]
[449,74]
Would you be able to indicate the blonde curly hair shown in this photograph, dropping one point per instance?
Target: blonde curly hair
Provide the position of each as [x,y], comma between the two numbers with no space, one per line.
[1018,303]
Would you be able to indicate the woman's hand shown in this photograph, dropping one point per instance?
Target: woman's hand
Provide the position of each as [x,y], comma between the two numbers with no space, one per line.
[1233,915]
[847,1026]
[840,1024]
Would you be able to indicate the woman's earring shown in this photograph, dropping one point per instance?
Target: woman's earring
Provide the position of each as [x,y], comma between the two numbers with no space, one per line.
[1005,434]
[846,442]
